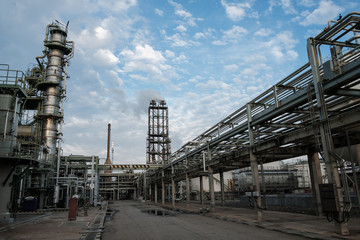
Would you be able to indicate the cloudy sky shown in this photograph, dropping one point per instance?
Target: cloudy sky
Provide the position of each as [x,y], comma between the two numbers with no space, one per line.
[205,58]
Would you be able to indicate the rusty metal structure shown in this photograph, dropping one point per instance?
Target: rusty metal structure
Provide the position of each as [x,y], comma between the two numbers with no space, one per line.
[158,140]
[108,161]
[314,110]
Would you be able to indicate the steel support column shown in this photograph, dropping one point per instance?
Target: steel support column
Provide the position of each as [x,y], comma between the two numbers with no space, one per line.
[254,166]
[222,187]
[211,181]
[187,190]
[156,192]
[145,187]
[173,191]
[325,133]
[315,176]
[162,188]
[201,191]
[211,189]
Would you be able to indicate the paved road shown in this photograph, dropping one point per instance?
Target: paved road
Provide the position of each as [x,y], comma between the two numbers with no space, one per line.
[134,220]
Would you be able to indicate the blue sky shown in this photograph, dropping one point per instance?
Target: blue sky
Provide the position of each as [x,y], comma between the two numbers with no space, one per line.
[205,58]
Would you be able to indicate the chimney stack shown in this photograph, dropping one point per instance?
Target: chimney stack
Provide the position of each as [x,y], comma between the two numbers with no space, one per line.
[108,161]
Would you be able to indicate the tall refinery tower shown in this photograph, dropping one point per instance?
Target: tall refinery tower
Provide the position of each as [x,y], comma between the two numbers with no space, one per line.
[158,141]
[31,117]
[57,50]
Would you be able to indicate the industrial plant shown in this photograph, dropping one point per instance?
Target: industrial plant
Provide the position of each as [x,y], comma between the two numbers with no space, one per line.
[299,139]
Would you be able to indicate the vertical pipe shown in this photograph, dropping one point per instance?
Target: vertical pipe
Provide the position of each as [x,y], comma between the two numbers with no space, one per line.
[162,188]
[263,184]
[172,191]
[276,96]
[204,161]
[145,187]
[353,168]
[156,192]
[96,185]
[325,133]
[187,190]
[222,188]
[92,180]
[201,190]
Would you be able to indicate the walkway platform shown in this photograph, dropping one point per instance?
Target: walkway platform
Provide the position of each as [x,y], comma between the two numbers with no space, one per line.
[309,226]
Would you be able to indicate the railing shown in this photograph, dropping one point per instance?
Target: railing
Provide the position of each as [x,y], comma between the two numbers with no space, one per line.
[11,77]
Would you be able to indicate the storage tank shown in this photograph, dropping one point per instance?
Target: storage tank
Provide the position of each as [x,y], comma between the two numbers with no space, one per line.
[9,117]
[273,180]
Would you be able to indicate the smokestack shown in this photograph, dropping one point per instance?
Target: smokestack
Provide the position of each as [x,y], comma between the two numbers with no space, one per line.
[108,161]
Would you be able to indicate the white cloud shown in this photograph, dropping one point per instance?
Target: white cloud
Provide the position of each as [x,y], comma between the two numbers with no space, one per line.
[144,53]
[233,35]
[77,121]
[183,13]
[307,3]
[147,60]
[114,78]
[219,42]
[195,79]
[286,5]
[169,54]
[186,15]
[177,40]
[282,46]
[118,6]
[235,11]
[326,11]
[105,57]
[213,84]
[102,33]
[181,28]
[235,32]
[181,59]
[159,12]
[263,32]
[231,67]
[199,35]
[255,57]
[208,33]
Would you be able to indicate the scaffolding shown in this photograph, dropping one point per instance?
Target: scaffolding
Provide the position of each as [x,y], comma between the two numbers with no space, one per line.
[158,141]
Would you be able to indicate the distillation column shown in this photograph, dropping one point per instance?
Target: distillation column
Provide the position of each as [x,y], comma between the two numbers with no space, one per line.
[56,48]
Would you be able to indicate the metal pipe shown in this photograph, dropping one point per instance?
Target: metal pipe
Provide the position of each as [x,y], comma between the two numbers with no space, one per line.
[356,37]
[61,123]
[92,181]
[44,51]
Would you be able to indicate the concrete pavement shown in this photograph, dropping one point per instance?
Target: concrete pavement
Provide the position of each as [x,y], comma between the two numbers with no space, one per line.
[56,226]
[309,226]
